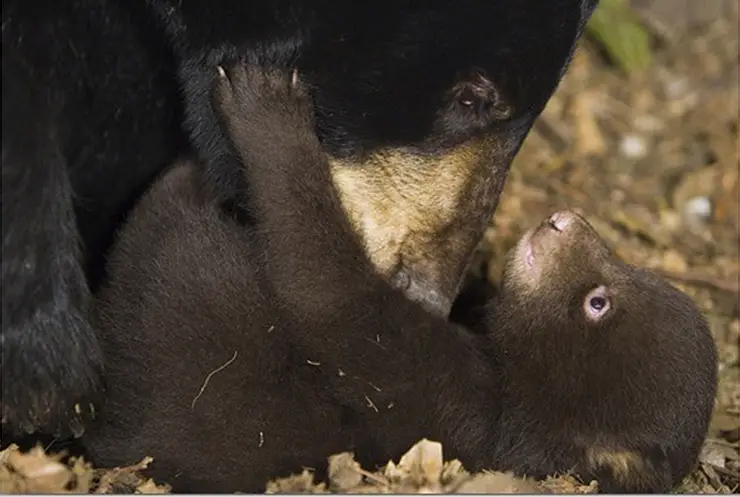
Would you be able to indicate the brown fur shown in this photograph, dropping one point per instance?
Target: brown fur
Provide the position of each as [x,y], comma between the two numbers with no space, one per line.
[626,399]
[236,356]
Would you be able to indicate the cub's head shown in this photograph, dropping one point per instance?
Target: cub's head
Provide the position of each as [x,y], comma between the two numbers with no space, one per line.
[608,366]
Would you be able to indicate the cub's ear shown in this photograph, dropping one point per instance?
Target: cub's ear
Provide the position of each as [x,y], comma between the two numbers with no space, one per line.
[628,471]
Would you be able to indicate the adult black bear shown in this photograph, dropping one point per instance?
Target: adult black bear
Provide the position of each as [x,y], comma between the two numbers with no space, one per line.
[235,355]
[420,105]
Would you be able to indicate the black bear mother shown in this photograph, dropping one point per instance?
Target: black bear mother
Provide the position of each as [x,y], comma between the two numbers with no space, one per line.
[421,107]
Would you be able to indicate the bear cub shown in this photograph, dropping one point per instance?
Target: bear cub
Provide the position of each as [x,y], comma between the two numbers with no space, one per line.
[238,355]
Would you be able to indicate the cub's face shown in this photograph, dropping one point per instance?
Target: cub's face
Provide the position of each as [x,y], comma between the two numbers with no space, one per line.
[421,111]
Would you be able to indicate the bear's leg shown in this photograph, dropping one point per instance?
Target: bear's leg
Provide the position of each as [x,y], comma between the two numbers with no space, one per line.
[381,357]
[269,119]
[51,363]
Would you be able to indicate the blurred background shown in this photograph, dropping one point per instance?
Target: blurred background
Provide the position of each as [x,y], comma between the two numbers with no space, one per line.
[642,138]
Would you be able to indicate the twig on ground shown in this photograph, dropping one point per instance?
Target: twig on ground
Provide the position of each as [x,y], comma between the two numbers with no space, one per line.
[208,378]
[724,471]
[373,477]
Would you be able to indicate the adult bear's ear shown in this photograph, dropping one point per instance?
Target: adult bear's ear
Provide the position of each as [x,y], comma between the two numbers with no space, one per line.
[475,91]
[473,103]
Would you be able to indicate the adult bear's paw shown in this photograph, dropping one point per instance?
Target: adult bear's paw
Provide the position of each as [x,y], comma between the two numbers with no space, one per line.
[51,374]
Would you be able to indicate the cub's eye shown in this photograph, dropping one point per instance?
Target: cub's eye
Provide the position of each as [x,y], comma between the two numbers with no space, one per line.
[597,303]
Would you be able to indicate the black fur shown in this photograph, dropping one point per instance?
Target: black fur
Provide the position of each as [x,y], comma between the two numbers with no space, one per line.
[93,107]
[237,355]
[89,117]
[46,338]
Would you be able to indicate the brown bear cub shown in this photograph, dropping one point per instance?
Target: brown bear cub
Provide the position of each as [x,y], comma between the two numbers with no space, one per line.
[235,356]
[607,368]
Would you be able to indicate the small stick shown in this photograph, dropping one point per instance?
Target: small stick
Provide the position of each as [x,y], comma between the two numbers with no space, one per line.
[208,378]
[371,476]
[724,471]
[371,404]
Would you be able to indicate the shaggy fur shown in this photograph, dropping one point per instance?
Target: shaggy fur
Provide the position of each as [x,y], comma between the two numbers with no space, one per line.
[95,93]
[237,355]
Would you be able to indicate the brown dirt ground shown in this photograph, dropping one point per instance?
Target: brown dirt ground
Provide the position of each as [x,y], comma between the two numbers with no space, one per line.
[652,161]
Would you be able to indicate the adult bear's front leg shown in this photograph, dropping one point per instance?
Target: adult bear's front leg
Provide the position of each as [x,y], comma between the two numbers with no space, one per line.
[51,363]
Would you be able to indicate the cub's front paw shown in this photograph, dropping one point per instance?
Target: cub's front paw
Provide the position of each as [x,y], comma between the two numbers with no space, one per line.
[260,102]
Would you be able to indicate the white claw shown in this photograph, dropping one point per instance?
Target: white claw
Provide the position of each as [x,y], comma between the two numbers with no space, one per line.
[221,71]
[294,80]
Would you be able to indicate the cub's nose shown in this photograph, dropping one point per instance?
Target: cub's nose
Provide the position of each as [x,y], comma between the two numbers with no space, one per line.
[421,291]
[562,219]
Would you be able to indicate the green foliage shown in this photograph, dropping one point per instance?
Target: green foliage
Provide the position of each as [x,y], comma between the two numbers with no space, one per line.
[618,30]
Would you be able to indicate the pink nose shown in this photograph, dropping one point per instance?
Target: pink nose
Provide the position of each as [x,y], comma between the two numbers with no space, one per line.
[562,219]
